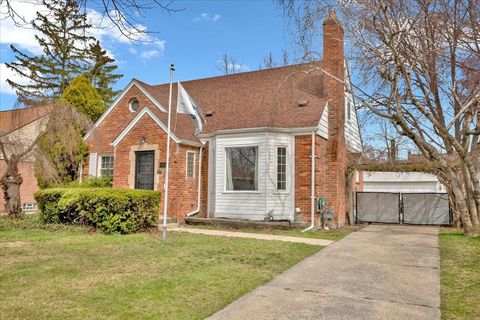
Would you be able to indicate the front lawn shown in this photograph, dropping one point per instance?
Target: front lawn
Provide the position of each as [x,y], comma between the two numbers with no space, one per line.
[71,273]
[460,275]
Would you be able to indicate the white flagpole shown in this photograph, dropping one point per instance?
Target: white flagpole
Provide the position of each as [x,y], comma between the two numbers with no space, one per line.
[165,201]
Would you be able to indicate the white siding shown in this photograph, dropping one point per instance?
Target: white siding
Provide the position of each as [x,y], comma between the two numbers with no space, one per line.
[401,182]
[211,177]
[352,132]
[254,205]
[23,137]
[281,202]
[323,125]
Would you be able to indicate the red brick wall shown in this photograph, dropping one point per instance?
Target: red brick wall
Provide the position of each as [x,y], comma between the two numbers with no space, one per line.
[183,194]
[116,121]
[336,157]
[303,169]
[29,185]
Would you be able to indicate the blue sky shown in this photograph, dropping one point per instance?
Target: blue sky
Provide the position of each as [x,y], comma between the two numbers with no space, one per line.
[193,39]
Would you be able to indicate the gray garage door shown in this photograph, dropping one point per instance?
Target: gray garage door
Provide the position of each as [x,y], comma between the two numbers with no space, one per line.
[408,208]
[380,207]
[426,208]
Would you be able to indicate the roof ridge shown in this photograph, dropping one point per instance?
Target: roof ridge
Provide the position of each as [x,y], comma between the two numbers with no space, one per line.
[239,73]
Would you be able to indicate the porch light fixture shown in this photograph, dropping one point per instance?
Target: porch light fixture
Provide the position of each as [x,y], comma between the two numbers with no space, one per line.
[142,140]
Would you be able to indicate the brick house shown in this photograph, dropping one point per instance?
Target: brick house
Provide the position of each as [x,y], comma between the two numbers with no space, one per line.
[254,154]
[18,128]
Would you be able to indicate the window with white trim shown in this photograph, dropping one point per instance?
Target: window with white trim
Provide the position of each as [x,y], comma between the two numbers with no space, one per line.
[241,169]
[190,165]
[133,105]
[281,168]
[106,165]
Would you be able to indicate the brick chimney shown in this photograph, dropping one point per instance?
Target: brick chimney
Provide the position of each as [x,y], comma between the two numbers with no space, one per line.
[333,64]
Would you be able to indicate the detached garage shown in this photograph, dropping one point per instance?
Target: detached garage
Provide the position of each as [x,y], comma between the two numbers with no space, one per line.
[405,182]
[407,198]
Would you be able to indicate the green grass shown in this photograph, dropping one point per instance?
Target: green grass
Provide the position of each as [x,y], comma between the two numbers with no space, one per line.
[294,232]
[460,275]
[65,272]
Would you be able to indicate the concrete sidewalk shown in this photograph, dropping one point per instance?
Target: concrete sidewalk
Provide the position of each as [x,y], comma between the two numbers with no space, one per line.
[223,233]
[380,272]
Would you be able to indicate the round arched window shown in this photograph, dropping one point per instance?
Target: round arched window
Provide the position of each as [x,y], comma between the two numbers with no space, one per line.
[133,105]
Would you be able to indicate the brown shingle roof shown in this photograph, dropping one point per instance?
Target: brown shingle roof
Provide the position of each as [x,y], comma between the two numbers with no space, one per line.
[264,98]
[11,120]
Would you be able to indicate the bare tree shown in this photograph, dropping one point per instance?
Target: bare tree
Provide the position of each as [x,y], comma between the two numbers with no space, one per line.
[125,15]
[228,64]
[381,140]
[268,61]
[285,57]
[18,146]
[418,61]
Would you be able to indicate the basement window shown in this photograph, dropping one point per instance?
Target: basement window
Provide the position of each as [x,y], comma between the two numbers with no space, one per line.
[241,169]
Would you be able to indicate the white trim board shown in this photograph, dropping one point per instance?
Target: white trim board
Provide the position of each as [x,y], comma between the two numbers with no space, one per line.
[135,120]
[117,100]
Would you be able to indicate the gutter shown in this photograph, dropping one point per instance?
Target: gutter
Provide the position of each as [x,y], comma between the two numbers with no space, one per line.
[199,188]
[298,131]
[312,187]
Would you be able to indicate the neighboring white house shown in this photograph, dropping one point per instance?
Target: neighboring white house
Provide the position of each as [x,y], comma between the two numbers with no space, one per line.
[414,182]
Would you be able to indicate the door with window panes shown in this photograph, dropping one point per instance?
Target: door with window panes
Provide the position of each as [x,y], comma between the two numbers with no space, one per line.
[144,170]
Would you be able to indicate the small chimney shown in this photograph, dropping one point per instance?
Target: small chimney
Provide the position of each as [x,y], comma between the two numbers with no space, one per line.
[393,150]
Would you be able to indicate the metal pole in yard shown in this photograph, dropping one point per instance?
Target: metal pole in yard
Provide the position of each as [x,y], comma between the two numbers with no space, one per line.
[165,201]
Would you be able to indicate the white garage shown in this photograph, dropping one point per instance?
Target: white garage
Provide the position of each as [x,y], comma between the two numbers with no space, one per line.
[405,182]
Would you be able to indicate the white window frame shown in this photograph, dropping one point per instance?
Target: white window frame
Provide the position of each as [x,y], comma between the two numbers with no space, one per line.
[99,163]
[287,168]
[186,164]
[130,105]
[257,163]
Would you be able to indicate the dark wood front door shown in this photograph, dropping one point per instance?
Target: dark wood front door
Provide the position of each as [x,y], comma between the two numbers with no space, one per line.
[144,169]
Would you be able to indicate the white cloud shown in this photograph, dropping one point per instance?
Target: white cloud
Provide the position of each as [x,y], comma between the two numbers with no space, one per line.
[24,37]
[6,73]
[103,28]
[240,67]
[207,17]
[149,54]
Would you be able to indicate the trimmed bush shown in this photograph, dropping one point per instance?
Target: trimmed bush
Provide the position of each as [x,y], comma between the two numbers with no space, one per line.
[109,210]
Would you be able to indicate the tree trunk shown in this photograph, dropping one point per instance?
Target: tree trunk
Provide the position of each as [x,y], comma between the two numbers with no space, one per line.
[461,203]
[470,198]
[11,182]
[349,190]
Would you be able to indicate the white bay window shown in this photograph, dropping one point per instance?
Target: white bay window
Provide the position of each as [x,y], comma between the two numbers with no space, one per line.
[241,169]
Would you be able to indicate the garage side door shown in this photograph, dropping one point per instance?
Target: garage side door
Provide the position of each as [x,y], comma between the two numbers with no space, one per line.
[379,207]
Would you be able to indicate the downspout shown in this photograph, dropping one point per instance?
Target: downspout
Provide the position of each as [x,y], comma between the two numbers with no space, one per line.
[199,188]
[312,187]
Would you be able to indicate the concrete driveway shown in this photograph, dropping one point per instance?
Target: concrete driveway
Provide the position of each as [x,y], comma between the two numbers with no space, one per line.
[380,272]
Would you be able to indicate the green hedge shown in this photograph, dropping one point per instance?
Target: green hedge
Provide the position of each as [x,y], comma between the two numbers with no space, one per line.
[110,210]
